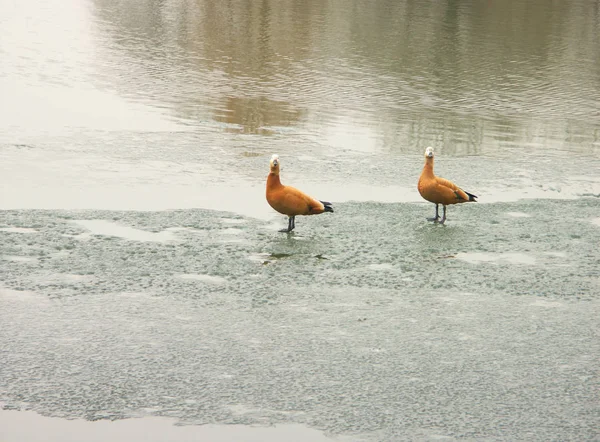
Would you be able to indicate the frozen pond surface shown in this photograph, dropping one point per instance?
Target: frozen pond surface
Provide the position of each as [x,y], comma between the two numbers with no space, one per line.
[380,327]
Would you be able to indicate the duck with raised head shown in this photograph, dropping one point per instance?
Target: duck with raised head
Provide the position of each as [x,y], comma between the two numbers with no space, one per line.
[439,190]
[289,200]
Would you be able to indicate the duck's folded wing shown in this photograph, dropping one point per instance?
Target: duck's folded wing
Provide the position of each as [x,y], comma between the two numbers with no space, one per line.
[460,194]
[303,203]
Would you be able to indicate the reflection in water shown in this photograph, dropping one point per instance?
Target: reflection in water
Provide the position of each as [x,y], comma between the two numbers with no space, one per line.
[460,74]
[340,90]
[255,115]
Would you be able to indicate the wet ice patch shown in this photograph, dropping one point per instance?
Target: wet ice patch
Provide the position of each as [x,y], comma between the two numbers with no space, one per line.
[295,237]
[64,278]
[494,258]
[233,221]
[518,214]
[263,258]
[547,304]
[231,231]
[203,278]
[18,258]
[135,295]
[28,425]
[17,230]
[21,295]
[107,228]
[381,266]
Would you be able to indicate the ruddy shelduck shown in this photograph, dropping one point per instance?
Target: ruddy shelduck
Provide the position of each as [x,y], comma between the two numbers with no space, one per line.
[289,200]
[438,190]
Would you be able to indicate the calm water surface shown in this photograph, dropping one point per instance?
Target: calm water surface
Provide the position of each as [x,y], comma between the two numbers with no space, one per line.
[365,324]
[154,100]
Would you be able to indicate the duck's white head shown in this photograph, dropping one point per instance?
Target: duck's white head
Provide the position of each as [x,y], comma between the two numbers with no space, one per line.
[429,152]
[275,163]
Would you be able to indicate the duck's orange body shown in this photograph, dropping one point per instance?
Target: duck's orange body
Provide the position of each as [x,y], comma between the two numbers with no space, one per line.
[439,190]
[289,200]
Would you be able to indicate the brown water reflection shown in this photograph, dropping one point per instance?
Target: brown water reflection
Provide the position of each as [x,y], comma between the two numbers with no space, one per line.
[461,73]
[255,115]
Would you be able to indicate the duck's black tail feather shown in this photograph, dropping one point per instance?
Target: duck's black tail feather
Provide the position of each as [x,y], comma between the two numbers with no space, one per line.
[328,207]
[471,196]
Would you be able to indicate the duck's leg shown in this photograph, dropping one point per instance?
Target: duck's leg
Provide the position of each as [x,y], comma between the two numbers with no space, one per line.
[437,216]
[291,225]
[443,216]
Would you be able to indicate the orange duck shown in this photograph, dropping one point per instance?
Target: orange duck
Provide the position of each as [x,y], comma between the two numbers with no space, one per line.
[289,200]
[438,190]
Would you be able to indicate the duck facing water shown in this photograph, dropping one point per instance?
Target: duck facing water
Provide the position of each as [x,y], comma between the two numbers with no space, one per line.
[439,190]
[289,200]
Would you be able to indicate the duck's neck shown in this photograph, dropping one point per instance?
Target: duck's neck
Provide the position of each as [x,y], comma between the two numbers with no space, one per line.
[273,180]
[428,168]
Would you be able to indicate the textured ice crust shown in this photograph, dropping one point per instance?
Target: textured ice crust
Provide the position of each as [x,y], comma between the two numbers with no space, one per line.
[368,322]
